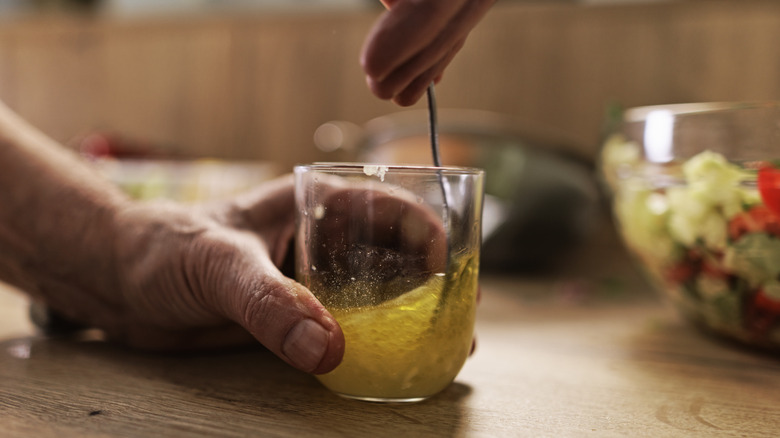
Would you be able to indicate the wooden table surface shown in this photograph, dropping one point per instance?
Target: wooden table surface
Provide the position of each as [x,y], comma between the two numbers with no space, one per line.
[589,351]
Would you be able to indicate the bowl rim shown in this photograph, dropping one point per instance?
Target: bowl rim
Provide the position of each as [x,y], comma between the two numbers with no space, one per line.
[640,113]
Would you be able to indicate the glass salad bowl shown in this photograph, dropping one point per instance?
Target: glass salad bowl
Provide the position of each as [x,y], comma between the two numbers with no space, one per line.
[696,196]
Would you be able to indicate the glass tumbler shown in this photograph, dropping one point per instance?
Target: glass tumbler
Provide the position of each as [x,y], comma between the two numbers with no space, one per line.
[393,253]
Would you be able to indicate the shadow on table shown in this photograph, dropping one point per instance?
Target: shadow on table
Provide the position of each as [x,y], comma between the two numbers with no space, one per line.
[229,393]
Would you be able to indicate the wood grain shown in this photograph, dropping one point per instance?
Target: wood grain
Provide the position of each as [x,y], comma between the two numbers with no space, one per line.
[588,351]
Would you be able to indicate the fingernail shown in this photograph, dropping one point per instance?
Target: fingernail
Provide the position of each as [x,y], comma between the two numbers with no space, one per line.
[305,345]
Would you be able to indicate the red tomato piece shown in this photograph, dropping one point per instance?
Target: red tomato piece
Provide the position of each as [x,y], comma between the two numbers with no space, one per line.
[769,187]
[764,301]
[680,273]
[758,219]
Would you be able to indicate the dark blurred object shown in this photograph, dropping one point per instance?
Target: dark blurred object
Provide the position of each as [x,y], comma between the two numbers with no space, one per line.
[80,5]
[52,323]
[541,198]
[87,4]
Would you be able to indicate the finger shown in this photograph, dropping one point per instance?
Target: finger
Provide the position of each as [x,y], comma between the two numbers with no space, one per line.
[404,31]
[362,216]
[116,326]
[280,313]
[412,92]
[286,318]
[152,338]
[433,58]
[273,202]
[268,211]
[388,76]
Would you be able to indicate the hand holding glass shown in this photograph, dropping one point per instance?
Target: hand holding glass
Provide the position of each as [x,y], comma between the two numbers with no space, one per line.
[396,262]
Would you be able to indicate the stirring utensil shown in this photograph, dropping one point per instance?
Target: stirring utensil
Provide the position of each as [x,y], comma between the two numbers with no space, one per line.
[433,127]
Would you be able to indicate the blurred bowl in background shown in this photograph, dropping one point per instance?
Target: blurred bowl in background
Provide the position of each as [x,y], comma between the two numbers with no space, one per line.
[541,197]
[696,196]
[195,180]
[148,172]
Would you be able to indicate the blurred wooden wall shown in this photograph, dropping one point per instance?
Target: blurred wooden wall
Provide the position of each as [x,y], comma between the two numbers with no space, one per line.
[256,86]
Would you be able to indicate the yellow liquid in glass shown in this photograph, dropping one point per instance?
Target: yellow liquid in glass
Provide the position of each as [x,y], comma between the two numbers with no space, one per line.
[410,347]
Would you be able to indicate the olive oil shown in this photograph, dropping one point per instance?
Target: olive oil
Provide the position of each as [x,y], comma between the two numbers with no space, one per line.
[411,346]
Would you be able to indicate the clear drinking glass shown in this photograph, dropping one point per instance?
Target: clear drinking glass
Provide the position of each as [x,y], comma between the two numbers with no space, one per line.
[393,253]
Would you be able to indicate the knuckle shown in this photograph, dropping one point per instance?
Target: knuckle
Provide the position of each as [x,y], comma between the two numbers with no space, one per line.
[256,308]
[266,305]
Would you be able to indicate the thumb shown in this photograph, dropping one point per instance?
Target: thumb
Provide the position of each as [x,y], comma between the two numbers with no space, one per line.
[283,315]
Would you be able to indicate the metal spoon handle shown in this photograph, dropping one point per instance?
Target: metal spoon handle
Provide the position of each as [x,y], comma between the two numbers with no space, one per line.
[446,214]
[433,126]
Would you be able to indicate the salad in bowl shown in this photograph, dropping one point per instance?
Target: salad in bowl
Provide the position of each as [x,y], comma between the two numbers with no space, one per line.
[696,197]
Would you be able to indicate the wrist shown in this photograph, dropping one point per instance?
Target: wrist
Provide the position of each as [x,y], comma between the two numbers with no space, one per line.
[57,215]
